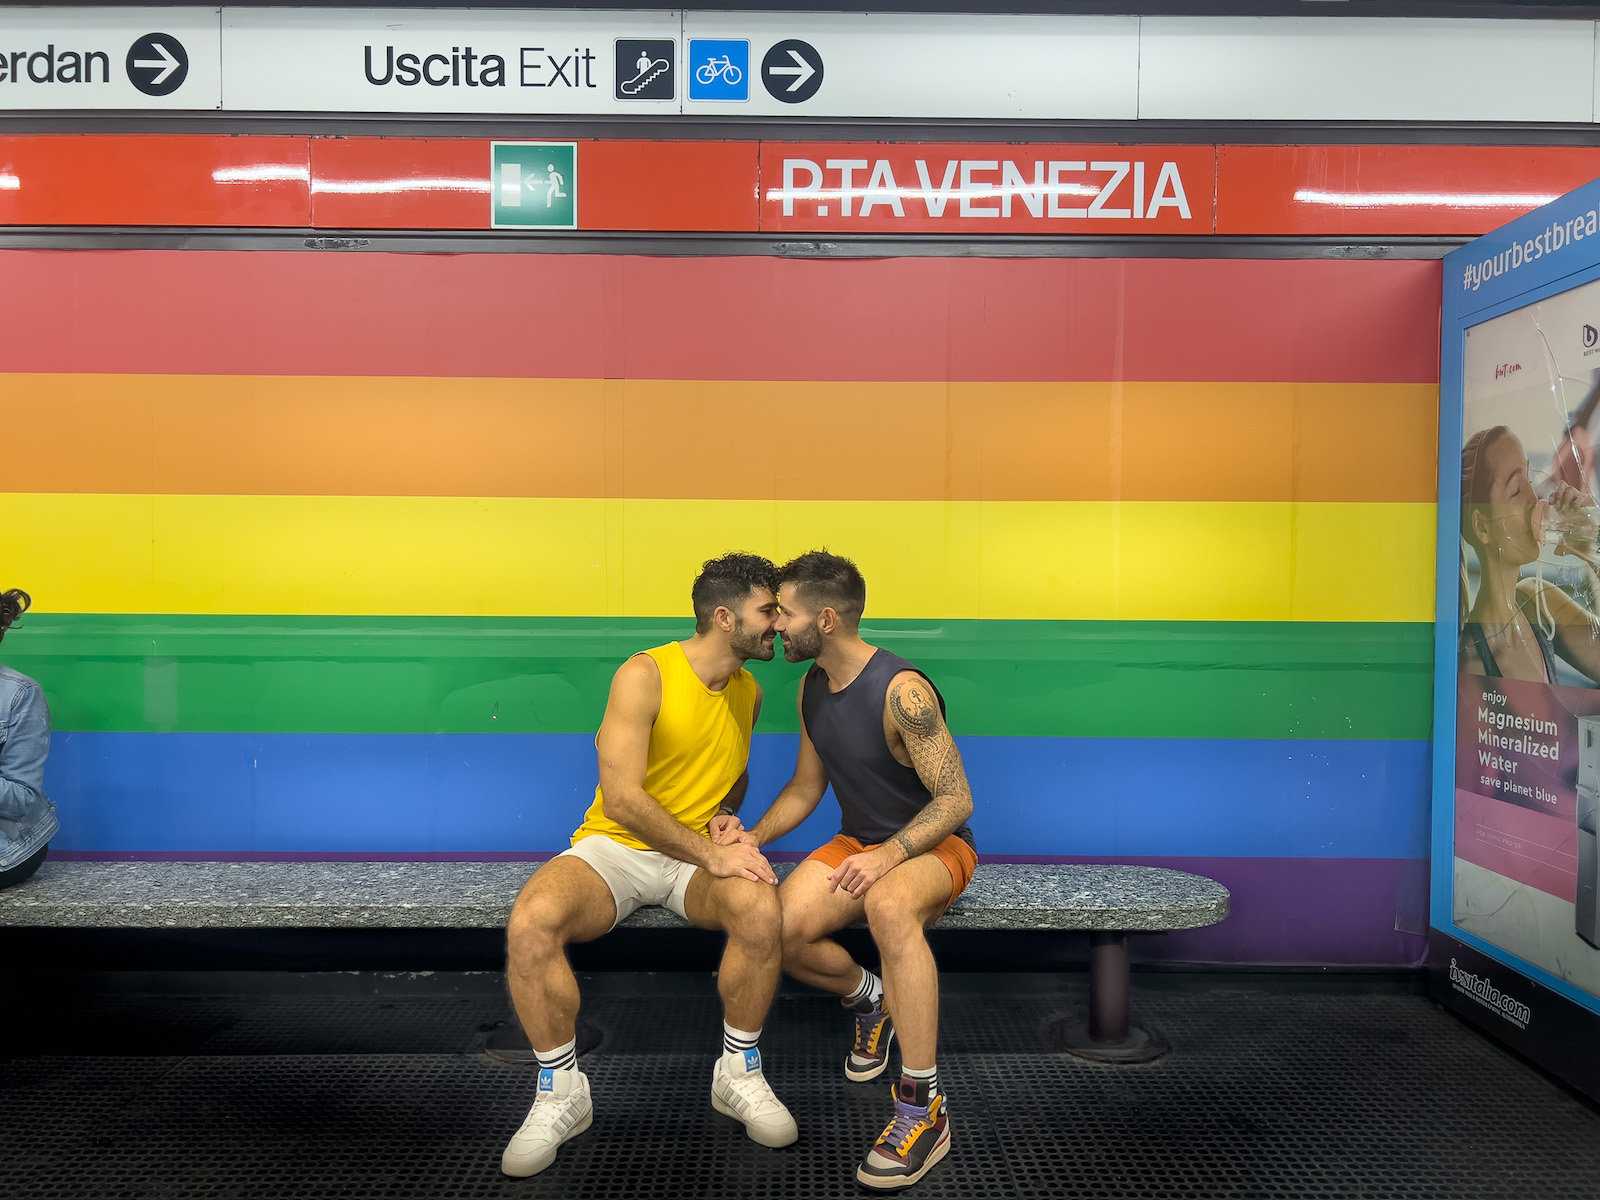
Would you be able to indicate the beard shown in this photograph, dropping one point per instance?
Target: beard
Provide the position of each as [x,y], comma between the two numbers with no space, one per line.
[748,644]
[803,644]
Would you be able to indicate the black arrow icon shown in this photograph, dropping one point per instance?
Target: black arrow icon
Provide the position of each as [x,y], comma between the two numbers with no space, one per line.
[792,71]
[157,64]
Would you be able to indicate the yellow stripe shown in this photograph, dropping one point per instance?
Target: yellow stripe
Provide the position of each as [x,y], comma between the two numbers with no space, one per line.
[1090,560]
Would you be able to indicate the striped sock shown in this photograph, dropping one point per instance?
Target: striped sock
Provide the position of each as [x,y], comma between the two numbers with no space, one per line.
[562,1058]
[737,1041]
[911,1079]
[868,996]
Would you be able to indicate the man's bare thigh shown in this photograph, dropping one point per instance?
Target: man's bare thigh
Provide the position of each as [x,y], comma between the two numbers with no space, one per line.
[570,893]
[810,907]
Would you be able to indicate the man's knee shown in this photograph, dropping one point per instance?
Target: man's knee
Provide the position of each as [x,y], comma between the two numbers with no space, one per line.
[534,932]
[751,912]
[893,917]
[800,930]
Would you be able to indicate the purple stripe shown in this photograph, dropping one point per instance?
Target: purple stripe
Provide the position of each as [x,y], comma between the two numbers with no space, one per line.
[300,856]
[1304,911]
[388,856]
[1285,911]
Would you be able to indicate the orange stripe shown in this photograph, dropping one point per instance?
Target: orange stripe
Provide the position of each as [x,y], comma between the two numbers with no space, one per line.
[687,439]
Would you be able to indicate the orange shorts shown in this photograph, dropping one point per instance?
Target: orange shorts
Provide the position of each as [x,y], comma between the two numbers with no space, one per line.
[958,858]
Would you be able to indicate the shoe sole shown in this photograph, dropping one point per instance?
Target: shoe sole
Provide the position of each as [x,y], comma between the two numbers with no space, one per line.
[751,1132]
[894,1183]
[580,1127]
[872,1073]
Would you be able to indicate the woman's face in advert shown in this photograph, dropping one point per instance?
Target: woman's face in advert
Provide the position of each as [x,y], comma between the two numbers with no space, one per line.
[1513,518]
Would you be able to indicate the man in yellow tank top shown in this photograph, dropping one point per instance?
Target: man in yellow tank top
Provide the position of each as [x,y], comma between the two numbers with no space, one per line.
[673,751]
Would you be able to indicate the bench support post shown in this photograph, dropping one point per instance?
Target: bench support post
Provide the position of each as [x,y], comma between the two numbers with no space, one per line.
[1109,1036]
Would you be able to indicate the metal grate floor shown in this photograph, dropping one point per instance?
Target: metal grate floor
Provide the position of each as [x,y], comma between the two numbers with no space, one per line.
[1265,1094]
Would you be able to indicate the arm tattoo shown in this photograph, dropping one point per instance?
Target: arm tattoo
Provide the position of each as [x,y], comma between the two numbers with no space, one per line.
[913,710]
[938,764]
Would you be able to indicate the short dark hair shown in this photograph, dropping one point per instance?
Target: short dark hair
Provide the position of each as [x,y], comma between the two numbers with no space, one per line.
[12,605]
[724,582]
[828,581]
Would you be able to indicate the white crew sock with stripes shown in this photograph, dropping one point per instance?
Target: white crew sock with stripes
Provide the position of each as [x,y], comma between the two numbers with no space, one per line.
[868,996]
[562,1058]
[737,1041]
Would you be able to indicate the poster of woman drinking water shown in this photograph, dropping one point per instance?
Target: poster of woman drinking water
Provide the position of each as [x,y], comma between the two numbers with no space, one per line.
[1528,686]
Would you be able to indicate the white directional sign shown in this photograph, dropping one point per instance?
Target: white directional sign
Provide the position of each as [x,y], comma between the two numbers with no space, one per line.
[931,65]
[809,65]
[604,61]
[451,61]
[110,58]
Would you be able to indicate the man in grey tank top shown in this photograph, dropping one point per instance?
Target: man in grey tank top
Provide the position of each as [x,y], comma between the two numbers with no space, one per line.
[873,726]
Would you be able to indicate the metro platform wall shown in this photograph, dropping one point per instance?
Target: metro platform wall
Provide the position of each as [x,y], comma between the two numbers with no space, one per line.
[333,555]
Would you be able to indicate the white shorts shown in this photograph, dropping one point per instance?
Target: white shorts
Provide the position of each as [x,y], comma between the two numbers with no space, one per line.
[635,877]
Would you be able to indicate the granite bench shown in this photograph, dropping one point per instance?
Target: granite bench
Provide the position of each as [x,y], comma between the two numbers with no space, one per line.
[1109,903]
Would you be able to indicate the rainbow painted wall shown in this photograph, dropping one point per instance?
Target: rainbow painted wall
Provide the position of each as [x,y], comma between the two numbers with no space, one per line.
[335,554]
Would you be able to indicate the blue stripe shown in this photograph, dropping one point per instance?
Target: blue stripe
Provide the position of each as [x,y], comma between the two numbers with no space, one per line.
[424,793]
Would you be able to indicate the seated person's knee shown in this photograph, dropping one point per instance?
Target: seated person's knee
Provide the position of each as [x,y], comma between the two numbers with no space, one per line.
[890,914]
[533,932]
[753,911]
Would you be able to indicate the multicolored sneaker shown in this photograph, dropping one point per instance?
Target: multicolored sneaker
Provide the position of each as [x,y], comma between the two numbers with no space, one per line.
[911,1144]
[561,1109]
[869,1053]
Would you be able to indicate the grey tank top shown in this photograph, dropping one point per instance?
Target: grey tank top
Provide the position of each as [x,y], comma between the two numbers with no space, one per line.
[877,793]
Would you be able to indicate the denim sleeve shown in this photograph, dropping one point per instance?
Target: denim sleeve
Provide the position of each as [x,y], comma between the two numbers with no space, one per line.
[27,742]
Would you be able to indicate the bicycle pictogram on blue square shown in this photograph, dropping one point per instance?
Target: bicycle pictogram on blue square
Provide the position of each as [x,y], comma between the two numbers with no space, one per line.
[719,69]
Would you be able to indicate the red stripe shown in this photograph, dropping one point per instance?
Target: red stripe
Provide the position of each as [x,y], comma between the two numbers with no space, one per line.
[588,316]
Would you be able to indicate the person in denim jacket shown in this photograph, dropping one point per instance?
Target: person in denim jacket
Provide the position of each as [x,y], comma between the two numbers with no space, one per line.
[27,818]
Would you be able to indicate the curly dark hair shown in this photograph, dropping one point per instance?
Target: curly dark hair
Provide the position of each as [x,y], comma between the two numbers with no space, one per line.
[724,582]
[12,605]
[828,581]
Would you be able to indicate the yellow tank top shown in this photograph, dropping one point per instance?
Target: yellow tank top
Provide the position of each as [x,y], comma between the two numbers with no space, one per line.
[699,747]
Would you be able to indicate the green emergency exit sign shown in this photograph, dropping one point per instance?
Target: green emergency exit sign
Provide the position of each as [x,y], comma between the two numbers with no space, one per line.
[533,185]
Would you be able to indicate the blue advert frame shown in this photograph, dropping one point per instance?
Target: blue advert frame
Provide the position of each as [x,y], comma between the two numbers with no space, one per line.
[1545,253]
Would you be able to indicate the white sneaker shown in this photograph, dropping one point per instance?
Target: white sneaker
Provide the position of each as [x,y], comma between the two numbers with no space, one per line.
[561,1109]
[739,1089]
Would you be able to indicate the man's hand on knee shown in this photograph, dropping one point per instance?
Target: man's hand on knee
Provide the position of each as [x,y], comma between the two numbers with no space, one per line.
[741,860]
[860,871]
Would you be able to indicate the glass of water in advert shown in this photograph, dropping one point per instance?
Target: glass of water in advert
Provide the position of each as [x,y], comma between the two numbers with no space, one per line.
[1566,521]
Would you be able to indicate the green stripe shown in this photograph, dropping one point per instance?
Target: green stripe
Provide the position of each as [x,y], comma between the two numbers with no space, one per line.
[1136,679]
